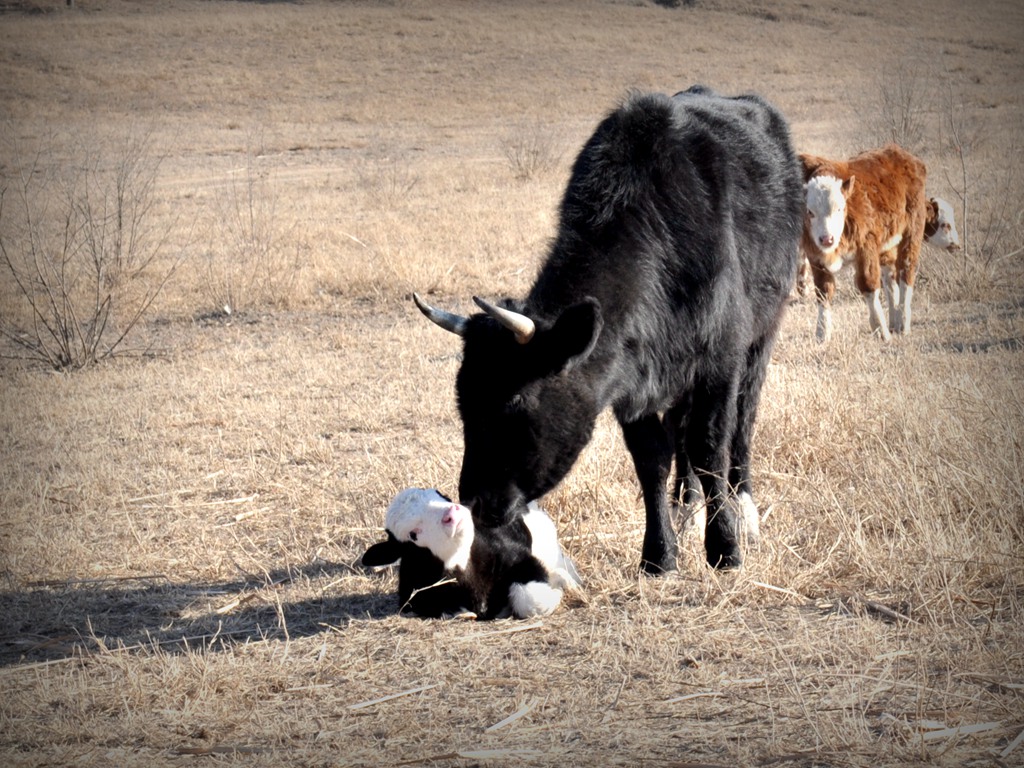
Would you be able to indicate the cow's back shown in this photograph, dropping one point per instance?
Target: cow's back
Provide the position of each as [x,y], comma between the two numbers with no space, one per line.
[888,197]
[681,217]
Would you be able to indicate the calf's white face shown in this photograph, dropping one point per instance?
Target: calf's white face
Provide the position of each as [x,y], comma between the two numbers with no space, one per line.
[940,215]
[826,211]
[429,520]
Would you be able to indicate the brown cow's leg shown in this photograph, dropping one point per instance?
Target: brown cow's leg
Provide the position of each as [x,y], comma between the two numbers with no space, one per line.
[906,271]
[869,282]
[824,291]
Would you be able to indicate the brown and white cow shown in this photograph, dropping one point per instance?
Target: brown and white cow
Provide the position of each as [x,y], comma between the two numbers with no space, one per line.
[870,210]
[939,231]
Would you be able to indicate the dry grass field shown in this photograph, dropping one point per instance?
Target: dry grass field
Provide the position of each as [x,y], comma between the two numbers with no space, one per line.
[182,522]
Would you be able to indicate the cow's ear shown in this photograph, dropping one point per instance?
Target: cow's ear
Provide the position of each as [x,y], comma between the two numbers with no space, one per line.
[383,553]
[576,332]
[848,186]
[810,164]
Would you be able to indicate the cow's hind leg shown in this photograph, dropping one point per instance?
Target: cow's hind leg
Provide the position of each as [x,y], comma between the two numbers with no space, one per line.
[908,292]
[709,444]
[648,443]
[875,317]
[868,280]
[893,296]
[687,502]
[748,399]
[906,270]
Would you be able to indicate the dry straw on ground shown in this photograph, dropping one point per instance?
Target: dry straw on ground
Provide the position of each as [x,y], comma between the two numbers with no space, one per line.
[181,526]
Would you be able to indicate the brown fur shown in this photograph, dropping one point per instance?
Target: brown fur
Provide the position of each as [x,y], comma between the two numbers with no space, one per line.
[885,198]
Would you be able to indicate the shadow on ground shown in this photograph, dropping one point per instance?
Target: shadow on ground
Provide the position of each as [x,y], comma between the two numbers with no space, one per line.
[57,620]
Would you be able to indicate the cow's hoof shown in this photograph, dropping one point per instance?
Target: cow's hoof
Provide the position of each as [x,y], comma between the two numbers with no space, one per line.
[730,559]
[666,565]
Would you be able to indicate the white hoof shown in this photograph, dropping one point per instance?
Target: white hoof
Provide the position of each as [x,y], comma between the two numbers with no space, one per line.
[535,598]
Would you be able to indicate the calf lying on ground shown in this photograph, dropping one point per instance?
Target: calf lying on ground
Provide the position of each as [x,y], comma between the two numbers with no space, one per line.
[448,566]
[871,210]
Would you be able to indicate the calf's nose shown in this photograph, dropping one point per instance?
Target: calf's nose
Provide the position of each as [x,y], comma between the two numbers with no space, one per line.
[827,240]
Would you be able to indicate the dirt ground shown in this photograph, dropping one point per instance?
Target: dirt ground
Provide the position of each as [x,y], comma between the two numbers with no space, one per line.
[182,523]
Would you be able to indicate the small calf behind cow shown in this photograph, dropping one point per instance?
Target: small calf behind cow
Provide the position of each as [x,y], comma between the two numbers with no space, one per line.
[450,567]
[871,210]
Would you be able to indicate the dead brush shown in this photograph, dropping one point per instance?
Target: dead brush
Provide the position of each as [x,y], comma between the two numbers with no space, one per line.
[532,149]
[80,248]
[253,258]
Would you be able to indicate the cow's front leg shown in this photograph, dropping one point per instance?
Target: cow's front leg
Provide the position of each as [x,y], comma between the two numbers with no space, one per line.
[651,449]
[824,291]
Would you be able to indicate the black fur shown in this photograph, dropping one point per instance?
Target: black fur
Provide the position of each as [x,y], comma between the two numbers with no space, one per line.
[662,294]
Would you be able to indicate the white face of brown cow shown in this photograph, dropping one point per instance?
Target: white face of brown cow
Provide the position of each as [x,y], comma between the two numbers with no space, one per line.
[826,211]
[940,227]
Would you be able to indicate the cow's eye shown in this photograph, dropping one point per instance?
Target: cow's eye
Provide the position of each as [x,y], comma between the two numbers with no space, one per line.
[413,536]
[810,213]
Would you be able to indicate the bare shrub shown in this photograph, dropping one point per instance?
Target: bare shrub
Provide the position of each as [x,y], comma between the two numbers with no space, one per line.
[906,96]
[77,239]
[252,259]
[386,174]
[986,180]
[532,149]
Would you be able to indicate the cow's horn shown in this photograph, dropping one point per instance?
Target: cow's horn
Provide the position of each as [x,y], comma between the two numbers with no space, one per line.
[447,320]
[522,326]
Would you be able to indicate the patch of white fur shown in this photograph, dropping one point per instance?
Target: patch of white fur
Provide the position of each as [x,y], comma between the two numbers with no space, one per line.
[750,518]
[535,598]
[891,243]
[826,205]
[836,265]
[546,548]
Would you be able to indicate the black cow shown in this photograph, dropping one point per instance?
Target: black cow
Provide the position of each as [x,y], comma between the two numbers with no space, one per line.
[660,297]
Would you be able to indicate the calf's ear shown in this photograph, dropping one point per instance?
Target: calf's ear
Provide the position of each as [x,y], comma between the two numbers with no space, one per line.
[382,553]
[810,163]
[848,186]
